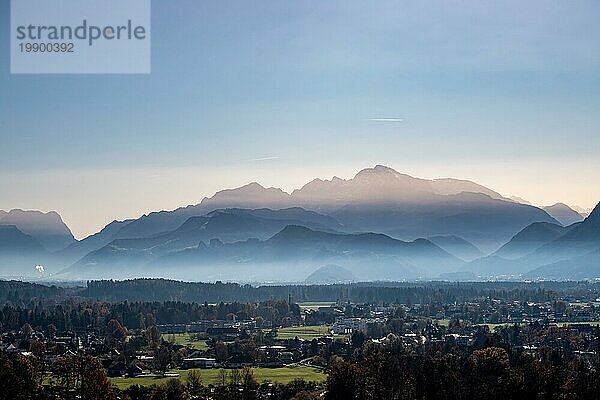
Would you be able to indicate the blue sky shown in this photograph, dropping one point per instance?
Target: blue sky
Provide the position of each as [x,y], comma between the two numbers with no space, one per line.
[505,93]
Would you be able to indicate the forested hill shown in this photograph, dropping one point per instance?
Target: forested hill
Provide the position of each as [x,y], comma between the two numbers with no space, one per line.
[161,290]
[373,292]
[25,292]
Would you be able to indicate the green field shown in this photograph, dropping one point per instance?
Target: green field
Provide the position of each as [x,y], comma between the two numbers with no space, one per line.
[210,376]
[185,340]
[303,332]
[314,305]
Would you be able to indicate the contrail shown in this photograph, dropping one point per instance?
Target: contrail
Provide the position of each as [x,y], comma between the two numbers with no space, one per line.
[266,158]
[386,119]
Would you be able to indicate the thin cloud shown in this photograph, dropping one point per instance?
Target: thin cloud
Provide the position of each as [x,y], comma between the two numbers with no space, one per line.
[386,119]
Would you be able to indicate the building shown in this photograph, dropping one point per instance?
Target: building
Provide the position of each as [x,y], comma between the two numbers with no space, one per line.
[199,362]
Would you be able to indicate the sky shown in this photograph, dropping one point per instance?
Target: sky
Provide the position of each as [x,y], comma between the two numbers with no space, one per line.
[505,93]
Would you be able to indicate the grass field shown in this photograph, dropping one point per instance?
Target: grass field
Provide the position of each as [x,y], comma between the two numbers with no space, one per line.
[210,376]
[185,340]
[313,305]
[303,332]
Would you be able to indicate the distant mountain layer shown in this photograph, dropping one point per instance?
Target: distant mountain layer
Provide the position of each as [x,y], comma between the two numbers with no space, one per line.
[12,240]
[530,239]
[330,274]
[227,225]
[19,252]
[47,228]
[577,268]
[289,255]
[552,252]
[96,241]
[563,214]
[457,246]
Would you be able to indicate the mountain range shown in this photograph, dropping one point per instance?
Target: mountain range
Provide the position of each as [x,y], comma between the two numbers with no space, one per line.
[547,251]
[289,255]
[47,228]
[380,224]
[379,200]
[564,214]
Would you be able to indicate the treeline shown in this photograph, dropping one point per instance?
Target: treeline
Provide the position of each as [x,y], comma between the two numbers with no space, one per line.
[161,290]
[372,292]
[95,315]
[24,292]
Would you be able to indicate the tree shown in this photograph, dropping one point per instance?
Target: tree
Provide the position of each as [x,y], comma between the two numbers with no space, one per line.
[222,377]
[344,381]
[163,358]
[194,382]
[19,377]
[490,368]
[221,352]
[115,333]
[175,390]
[235,377]
[27,329]
[38,348]
[153,336]
[94,382]
[66,371]
[358,338]
[52,330]
[249,383]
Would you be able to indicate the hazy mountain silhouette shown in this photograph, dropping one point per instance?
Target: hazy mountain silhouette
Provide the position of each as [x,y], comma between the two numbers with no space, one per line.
[457,246]
[584,212]
[330,274]
[530,239]
[12,240]
[521,200]
[575,249]
[229,225]
[577,268]
[47,228]
[289,255]
[253,232]
[377,199]
[379,185]
[563,214]
[252,195]
[93,242]
[488,223]
[249,196]
[19,252]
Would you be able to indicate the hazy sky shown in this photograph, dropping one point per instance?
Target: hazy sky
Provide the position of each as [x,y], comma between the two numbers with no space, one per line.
[503,93]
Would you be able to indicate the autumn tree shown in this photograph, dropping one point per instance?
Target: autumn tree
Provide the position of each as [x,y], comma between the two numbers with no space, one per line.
[94,382]
[19,377]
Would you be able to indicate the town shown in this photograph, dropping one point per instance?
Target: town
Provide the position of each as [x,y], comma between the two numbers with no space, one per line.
[272,348]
